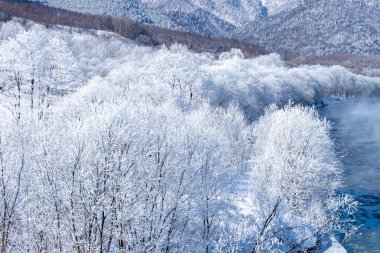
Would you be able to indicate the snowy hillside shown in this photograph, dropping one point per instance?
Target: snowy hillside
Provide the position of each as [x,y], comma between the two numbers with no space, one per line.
[307,27]
[201,16]
[320,27]
[277,6]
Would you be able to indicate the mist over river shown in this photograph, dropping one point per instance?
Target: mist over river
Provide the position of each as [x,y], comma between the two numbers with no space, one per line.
[356,133]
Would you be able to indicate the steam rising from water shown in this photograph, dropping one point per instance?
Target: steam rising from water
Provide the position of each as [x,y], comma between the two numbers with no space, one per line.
[356,130]
[367,114]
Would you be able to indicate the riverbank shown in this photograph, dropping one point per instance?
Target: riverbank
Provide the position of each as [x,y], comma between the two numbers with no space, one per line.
[356,134]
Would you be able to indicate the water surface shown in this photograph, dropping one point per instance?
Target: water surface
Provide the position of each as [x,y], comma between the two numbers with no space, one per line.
[356,131]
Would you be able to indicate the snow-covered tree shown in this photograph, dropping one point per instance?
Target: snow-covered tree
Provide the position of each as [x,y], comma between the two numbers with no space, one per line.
[148,155]
[294,180]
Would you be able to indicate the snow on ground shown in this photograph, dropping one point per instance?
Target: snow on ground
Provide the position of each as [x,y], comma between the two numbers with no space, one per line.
[335,247]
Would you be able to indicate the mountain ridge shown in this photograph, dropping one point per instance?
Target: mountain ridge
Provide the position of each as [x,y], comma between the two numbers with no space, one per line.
[150,35]
[320,28]
[288,27]
[209,18]
[140,33]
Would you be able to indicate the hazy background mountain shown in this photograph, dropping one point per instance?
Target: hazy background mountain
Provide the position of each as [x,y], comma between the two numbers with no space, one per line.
[202,16]
[290,27]
[277,6]
[319,27]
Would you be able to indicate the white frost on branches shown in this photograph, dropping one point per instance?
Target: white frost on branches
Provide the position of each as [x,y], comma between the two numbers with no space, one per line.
[106,146]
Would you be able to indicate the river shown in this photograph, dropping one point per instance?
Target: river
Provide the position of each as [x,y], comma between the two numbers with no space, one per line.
[356,133]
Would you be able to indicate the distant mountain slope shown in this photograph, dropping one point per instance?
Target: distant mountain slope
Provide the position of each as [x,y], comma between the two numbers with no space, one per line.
[289,27]
[320,27]
[328,32]
[140,33]
[207,17]
[276,6]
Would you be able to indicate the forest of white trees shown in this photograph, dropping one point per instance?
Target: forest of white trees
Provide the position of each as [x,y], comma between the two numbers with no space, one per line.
[106,146]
